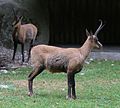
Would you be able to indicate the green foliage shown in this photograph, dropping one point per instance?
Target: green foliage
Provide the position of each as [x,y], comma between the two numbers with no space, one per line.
[98,87]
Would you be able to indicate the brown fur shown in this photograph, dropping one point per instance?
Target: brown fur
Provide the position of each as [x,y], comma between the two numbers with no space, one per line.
[23,33]
[26,32]
[56,59]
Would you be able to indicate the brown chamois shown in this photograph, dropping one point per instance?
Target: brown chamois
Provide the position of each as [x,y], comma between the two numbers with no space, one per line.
[22,33]
[68,60]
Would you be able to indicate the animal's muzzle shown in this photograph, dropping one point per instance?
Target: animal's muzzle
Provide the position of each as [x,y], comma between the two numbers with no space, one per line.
[99,45]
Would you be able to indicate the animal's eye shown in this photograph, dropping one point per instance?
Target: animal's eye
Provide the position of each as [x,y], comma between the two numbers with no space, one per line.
[96,40]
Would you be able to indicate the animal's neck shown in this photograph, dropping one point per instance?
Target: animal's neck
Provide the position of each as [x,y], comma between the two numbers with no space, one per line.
[16,30]
[18,25]
[86,48]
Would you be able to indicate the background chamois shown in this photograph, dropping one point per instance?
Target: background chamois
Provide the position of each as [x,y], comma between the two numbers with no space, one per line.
[21,33]
[68,60]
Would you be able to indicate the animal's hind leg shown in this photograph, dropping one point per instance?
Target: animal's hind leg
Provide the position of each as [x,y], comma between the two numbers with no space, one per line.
[22,51]
[31,45]
[31,76]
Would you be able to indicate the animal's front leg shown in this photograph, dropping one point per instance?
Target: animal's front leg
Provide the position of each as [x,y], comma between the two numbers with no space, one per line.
[31,45]
[15,48]
[71,86]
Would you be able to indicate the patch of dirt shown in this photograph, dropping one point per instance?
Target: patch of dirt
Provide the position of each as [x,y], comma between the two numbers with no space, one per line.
[20,83]
[53,84]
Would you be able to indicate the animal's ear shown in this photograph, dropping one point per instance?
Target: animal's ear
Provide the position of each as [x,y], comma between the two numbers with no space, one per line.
[20,18]
[91,33]
[14,13]
[87,33]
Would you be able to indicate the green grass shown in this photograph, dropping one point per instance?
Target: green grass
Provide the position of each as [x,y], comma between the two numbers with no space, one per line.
[99,87]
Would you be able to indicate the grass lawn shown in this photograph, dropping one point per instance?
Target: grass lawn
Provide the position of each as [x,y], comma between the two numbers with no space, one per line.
[97,86]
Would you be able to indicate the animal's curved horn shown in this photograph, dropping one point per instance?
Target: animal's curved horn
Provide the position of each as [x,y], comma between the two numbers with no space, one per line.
[14,12]
[87,33]
[99,28]
[20,18]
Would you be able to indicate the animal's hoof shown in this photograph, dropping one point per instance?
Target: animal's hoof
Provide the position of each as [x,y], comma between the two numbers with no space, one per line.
[70,98]
[73,97]
[30,94]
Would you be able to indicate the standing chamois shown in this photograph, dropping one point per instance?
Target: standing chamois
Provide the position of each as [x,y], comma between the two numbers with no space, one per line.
[22,33]
[68,60]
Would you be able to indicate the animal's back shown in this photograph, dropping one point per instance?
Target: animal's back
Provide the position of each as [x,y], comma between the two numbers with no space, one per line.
[30,31]
[39,53]
[45,49]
